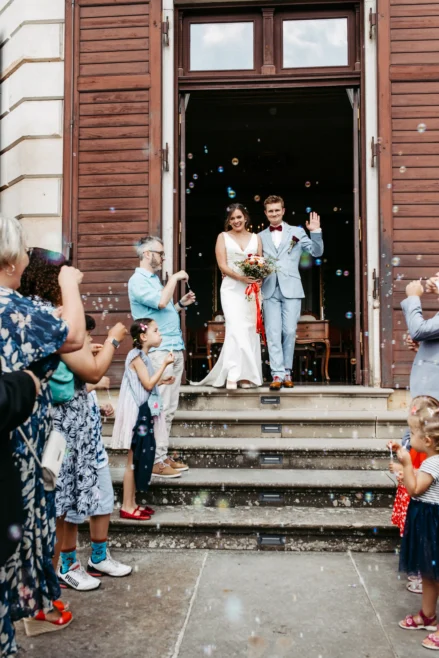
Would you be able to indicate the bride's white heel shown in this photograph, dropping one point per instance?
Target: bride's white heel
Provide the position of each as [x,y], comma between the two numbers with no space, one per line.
[231,386]
[246,385]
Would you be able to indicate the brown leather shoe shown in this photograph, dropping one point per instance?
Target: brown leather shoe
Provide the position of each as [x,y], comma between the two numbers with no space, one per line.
[288,383]
[276,384]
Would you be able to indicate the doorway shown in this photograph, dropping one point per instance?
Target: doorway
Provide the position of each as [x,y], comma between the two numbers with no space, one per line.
[242,146]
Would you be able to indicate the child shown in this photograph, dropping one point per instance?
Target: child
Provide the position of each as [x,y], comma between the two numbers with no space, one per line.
[100,562]
[401,503]
[139,385]
[420,544]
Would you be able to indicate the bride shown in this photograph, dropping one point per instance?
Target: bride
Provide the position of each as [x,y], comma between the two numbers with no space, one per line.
[239,363]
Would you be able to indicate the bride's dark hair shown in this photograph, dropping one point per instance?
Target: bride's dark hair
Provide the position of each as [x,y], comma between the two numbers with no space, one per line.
[231,209]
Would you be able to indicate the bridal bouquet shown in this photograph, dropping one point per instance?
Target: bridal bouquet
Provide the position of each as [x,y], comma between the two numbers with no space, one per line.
[257,267]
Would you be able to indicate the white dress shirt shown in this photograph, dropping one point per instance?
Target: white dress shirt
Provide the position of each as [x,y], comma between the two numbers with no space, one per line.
[276,236]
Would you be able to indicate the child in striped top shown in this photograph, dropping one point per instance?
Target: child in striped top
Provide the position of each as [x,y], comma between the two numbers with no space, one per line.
[420,544]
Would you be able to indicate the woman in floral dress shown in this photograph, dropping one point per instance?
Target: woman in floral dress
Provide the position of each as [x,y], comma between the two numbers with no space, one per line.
[30,337]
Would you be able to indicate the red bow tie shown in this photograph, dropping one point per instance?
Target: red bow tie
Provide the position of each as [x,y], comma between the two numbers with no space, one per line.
[276,228]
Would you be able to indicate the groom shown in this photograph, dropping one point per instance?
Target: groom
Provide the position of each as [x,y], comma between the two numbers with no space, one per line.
[282,291]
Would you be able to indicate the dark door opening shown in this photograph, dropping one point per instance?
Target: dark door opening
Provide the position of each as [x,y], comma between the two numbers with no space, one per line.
[298,144]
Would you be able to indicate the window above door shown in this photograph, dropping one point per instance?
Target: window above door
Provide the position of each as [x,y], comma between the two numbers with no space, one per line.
[267,41]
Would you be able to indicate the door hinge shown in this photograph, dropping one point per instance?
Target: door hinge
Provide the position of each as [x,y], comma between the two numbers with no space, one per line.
[375,148]
[372,24]
[375,290]
[361,343]
[165,31]
[360,235]
[165,157]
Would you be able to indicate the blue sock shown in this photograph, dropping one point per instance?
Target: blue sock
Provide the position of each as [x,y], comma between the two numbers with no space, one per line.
[98,551]
[67,559]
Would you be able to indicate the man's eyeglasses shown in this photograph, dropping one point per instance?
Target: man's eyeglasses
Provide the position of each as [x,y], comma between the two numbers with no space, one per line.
[160,253]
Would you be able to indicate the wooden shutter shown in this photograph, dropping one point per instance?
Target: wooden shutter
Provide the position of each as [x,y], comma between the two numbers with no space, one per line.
[112,161]
[408,69]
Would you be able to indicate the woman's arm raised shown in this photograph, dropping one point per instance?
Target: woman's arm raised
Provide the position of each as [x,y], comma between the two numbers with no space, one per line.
[89,368]
[72,309]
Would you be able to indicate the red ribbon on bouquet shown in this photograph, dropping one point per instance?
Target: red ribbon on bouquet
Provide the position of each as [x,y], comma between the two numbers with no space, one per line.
[254,288]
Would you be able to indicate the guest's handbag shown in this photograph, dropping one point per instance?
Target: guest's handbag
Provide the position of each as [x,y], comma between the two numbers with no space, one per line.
[62,384]
[51,459]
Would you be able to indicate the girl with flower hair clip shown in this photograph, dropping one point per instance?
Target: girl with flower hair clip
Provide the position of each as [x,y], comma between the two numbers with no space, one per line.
[420,543]
[139,415]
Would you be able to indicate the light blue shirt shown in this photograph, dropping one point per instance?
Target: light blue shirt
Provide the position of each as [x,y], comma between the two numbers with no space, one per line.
[144,291]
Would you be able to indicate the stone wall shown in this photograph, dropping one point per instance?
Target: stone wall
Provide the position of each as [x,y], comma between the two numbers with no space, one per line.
[31,113]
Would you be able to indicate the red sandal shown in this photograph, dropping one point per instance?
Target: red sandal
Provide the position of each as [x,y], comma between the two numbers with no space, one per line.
[146,509]
[39,624]
[410,624]
[435,642]
[143,516]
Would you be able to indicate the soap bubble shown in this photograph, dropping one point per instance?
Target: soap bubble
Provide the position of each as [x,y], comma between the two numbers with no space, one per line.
[206,150]
[182,165]
[309,372]
[395,209]
[335,209]
[307,184]
[15,532]
[188,191]
[422,128]
[318,261]
[349,315]
[308,209]
[305,261]
[345,273]
[368,496]
[403,169]
[112,209]
[191,185]
[235,162]
[233,609]
[190,156]
[396,261]
[195,176]
[220,169]
[339,273]
[257,198]
[231,193]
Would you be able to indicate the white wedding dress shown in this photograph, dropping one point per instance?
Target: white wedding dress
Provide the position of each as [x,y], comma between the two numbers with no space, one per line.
[240,357]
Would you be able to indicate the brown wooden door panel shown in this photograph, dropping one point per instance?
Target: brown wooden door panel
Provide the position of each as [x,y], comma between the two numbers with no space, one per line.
[113,75]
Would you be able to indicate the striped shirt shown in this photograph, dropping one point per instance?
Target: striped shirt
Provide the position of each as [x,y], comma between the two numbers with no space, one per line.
[430,466]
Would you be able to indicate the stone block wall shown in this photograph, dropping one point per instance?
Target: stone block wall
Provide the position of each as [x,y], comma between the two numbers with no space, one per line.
[31,116]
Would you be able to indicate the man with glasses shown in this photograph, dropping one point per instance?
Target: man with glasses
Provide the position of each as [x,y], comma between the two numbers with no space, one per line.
[150,299]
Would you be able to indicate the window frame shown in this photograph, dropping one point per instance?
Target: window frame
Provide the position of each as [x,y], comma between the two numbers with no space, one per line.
[281,16]
[248,17]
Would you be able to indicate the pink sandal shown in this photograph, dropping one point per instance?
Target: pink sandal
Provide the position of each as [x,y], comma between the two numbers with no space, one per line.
[433,638]
[428,623]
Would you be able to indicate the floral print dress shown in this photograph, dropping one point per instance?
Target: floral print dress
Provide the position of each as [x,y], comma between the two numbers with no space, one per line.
[77,488]
[29,338]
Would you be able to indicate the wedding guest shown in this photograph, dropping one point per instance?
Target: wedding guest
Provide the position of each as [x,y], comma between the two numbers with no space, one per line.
[84,485]
[30,338]
[150,299]
[18,391]
[140,386]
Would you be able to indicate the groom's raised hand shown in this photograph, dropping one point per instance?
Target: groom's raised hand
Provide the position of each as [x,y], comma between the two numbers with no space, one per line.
[314,222]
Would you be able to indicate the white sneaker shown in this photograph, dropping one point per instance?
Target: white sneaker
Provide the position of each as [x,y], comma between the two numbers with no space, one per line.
[77,578]
[109,567]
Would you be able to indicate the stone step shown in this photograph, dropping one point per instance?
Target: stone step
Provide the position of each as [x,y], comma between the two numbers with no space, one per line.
[298,423]
[253,528]
[336,398]
[227,487]
[197,452]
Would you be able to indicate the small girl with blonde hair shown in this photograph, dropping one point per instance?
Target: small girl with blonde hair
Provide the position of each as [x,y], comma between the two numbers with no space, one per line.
[420,544]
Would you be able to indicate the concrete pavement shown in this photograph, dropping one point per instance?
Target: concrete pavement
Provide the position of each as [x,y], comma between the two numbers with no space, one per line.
[233,604]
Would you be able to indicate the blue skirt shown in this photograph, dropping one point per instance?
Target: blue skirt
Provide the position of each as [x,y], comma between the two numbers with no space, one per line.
[420,544]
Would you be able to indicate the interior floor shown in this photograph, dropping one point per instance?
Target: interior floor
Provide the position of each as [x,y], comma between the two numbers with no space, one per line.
[298,144]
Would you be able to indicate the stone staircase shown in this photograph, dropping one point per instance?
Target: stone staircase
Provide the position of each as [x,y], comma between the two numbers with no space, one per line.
[305,469]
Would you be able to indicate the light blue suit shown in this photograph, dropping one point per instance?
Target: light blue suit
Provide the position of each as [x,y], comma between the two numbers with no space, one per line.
[282,292]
